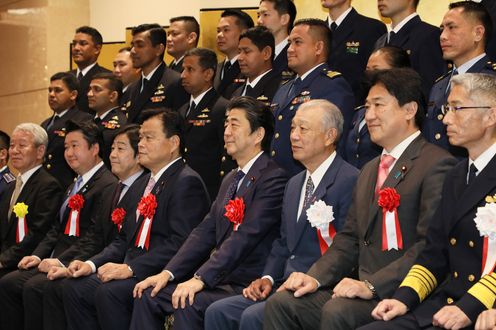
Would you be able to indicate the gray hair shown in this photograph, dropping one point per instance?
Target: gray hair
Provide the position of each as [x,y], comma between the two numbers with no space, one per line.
[332,115]
[480,87]
[39,134]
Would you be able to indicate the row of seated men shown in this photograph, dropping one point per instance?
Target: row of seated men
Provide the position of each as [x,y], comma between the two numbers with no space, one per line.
[407,241]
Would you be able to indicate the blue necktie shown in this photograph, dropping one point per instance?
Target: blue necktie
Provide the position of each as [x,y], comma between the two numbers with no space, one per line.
[233,187]
[74,190]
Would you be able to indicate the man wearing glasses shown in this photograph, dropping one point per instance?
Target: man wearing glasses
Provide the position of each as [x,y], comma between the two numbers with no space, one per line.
[465,30]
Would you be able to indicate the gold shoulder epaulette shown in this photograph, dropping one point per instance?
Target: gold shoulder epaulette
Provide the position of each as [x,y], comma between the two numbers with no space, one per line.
[443,76]
[333,74]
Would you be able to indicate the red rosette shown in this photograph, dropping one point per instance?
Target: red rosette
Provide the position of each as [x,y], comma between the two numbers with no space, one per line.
[235,211]
[389,199]
[76,202]
[118,216]
[147,206]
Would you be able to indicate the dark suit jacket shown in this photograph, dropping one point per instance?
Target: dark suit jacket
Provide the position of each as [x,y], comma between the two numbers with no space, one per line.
[359,245]
[178,67]
[230,81]
[108,126]
[55,162]
[352,43]
[84,85]
[6,177]
[182,203]
[491,46]
[240,255]
[433,128]
[454,246]
[322,83]
[298,247]
[204,138]
[421,41]
[265,89]
[94,198]
[42,194]
[163,90]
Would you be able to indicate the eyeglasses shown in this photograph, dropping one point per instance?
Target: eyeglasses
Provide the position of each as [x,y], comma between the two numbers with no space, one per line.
[450,108]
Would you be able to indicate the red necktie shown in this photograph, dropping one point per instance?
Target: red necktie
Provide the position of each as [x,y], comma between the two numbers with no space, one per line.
[382,173]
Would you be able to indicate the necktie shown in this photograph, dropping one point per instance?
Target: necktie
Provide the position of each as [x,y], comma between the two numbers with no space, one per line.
[55,118]
[334,26]
[309,187]
[391,36]
[233,187]
[148,189]
[97,120]
[386,162]
[74,190]
[471,174]
[227,66]
[448,88]
[248,90]
[117,194]
[295,88]
[80,76]
[144,82]
[15,194]
[191,108]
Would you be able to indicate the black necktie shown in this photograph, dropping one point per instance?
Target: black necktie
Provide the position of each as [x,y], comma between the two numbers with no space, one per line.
[53,121]
[471,173]
[97,120]
[233,187]
[80,76]
[294,88]
[144,82]
[392,34]
[227,66]
[117,194]
[334,26]
[191,108]
[248,90]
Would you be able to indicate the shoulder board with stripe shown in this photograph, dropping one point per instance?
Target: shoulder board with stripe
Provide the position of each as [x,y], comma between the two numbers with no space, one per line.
[333,74]
[9,177]
[443,76]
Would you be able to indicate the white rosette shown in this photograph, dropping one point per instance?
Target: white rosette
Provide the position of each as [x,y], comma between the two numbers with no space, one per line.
[485,221]
[320,215]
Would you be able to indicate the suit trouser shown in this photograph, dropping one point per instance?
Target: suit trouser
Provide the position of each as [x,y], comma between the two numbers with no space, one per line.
[91,304]
[149,313]
[235,313]
[405,322]
[53,306]
[316,311]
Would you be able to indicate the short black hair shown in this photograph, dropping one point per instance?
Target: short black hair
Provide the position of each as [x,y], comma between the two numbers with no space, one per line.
[124,49]
[69,80]
[258,115]
[191,25]
[157,34]
[395,56]
[4,142]
[319,31]
[285,7]
[261,37]
[91,133]
[95,35]
[405,85]
[206,58]
[479,12]
[243,20]
[114,84]
[172,123]
[132,133]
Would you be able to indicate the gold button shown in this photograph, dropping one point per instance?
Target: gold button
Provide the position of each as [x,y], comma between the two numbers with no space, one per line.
[471,278]
[440,117]
[449,300]
[223,158]
[221,173]
[279,117]
[185,149]
[471,244]
[50,156]
[437,136]
[49,166]
[276,135]
[455,274]
[453,241]
[273,153]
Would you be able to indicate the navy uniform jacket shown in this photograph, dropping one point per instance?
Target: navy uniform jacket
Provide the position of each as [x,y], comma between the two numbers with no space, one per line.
[55,162]
[204,138]
[359,149]
[42,194]
[298,247]
[182,203]
[84,85]
[230,81]
[55,241]
[352,43]
[452,259]
[6,177]
[164,89]
[178,67]
[433,128]
[491,46]
[239,256]
[321,83]
[421,41]
[264,90]
[110,124]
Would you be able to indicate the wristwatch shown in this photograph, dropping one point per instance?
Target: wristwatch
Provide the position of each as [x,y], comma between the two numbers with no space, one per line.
[371,288]
[199,278]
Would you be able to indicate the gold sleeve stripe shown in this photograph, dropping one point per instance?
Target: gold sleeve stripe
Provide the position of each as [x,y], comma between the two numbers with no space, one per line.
[421,280]
[485,290]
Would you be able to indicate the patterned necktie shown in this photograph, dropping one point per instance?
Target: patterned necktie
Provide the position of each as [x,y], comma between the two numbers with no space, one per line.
[74,190]
[148,189]
[15,194]
[233,187]
[471,174]
[309,187]
[382,173]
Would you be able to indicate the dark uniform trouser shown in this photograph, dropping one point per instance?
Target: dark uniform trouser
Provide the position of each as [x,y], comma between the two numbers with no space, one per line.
[316,311]
[405,322]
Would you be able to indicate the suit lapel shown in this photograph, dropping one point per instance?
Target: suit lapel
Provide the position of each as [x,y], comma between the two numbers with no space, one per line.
[344,30]
[294,224]
[403,35]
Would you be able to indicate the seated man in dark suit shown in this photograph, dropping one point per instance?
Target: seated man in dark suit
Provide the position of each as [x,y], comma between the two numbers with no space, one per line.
[240,228]
[393,202]
[232,23]
[104,94]
[453,279]
[256,53]
[62,94]
[85,49]
[173,201]
[31,202]
[183,34]
[21,291]
[204,115]
[6,176]
[419,39]
[326,184]
[125,72]
[159,86]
